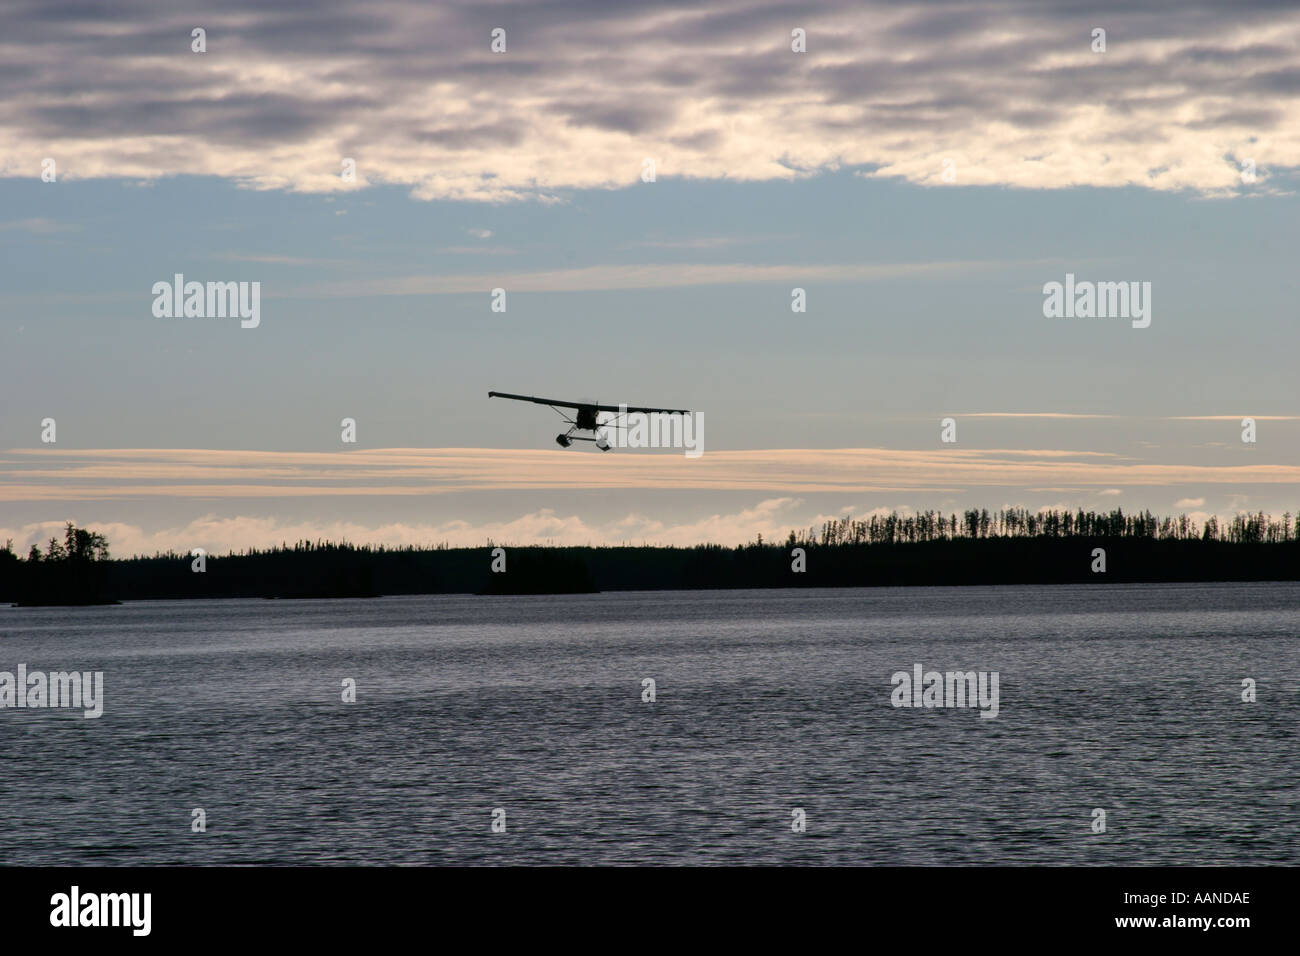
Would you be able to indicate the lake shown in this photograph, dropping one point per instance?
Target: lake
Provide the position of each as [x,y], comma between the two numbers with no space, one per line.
[1126,699]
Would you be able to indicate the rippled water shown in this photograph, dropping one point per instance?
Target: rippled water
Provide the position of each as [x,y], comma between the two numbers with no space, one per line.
[1126,698]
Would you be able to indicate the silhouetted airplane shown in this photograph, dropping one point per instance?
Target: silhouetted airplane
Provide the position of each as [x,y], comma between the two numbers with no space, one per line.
[585,417]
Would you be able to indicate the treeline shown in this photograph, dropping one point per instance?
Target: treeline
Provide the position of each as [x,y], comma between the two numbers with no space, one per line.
[72,571]
[1021,523]
[1012,546]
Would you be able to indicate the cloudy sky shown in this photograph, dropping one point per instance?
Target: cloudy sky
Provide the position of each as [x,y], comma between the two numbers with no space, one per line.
[921,171]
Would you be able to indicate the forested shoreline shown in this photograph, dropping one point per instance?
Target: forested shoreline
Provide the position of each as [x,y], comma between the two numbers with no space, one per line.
[1010,546]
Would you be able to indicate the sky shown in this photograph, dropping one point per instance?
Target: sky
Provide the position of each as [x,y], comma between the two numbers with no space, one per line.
[922,171]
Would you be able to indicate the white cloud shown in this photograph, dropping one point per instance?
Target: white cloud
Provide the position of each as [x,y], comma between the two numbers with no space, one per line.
[700,242]
[1030,415]
[639,276]
[37,226]
[772,518]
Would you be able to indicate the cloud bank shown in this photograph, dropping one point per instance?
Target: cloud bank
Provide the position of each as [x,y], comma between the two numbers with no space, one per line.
[1010,91]
[772,518]
[105,474]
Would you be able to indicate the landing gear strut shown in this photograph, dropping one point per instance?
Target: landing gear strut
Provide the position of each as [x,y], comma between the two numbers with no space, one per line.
[565,439]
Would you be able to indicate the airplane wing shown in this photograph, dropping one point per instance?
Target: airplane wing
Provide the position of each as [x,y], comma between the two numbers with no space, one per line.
[600,408]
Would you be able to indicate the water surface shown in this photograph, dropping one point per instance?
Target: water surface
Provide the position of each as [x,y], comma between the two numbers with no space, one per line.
[1126,698]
